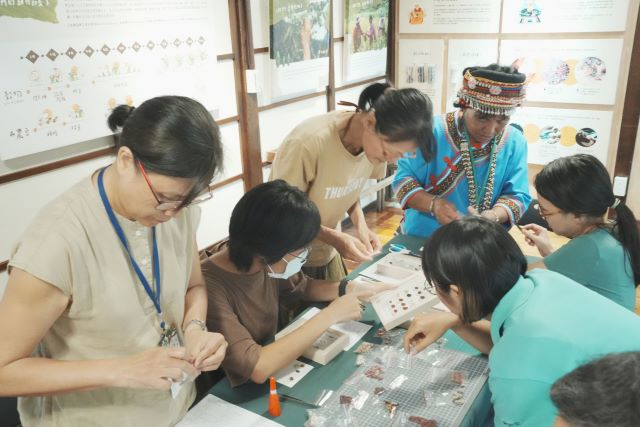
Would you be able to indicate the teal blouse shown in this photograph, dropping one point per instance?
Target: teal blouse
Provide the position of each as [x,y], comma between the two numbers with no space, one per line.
[598,261]
[543,328]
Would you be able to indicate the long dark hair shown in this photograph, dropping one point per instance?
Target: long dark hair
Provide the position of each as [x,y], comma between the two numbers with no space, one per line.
[480,257]
[580,185]
[172,136]
[401,115]
[271,220]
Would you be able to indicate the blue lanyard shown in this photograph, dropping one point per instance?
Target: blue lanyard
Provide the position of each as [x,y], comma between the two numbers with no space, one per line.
[155,296]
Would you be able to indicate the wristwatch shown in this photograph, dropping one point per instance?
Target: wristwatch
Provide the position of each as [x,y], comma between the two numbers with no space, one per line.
[198,322]
[342,287]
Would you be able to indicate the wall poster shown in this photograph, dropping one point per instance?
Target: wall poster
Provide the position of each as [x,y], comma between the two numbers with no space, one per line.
[421,65]
[298,47]
[68,63]
[553,133]
[575,71]
[566,16]
[449,16]
[366,37]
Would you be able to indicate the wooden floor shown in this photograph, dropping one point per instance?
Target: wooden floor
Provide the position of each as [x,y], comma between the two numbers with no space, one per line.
[386,223]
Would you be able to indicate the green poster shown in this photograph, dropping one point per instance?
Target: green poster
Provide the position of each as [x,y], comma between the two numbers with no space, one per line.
[42,10]
[299,30]
[367,22]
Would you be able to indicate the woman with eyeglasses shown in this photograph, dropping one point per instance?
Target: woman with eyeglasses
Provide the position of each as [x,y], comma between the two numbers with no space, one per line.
[331,157]
[535,326]
[105,305]
[574,197]
[258,269]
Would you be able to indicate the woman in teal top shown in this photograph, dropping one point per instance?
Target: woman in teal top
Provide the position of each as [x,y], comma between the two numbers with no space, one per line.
[535,326]
[574,196]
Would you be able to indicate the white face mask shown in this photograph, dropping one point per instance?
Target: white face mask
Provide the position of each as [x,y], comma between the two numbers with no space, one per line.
[293,266]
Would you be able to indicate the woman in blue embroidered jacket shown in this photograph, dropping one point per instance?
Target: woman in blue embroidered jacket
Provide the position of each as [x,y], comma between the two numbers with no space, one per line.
[480,166]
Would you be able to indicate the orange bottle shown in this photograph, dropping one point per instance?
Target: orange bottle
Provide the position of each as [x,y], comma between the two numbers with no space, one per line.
[274,401]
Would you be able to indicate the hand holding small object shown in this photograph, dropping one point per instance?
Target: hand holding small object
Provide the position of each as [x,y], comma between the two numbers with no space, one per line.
[536,235]
[427,328]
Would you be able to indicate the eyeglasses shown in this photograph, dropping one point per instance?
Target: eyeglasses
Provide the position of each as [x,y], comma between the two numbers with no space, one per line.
[544,215]
[304,255]
[169,205]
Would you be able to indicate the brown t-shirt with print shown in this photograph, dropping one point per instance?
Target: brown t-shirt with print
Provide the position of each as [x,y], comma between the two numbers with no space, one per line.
[244,308]
[313,159]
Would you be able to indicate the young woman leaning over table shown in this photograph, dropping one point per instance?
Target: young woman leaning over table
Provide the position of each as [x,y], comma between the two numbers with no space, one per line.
[574,196]
[258,269]
[105,305]
[535,326]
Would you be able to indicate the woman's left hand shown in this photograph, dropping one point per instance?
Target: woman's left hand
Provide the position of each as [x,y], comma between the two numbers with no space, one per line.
[205,349]
[367,288]
[370,239]
[489,214]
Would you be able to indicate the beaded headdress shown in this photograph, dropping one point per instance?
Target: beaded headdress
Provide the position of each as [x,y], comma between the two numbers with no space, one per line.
[491,91]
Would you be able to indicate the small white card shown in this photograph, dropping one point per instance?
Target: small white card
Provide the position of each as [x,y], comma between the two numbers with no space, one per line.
[292,373]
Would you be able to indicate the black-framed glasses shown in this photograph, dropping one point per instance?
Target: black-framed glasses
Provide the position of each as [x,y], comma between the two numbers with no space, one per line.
[169,205]
[545,215]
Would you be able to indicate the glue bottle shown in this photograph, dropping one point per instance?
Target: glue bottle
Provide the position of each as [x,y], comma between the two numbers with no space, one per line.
[274,401]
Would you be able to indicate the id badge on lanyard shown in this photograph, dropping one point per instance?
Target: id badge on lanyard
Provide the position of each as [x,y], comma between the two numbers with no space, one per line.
[170,338]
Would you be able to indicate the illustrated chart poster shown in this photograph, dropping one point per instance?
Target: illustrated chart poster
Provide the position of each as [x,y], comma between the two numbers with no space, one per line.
[463,54]
[553,133]
[365,40]
[298,46]
[576,71]
[566,16]
[449,16]
[421,65]
[67,64]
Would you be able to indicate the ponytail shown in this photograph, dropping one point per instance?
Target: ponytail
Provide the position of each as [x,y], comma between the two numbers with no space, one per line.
[371,94]
[118,116]
[626,231]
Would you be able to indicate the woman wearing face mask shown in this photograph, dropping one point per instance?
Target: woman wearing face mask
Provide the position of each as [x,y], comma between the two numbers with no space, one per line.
[105,304]
[330,157]
[574,196]
[258,268]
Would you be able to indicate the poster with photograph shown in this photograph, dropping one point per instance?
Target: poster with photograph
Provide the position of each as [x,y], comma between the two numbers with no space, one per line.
[366,24]
[67,64]
[566,16]
[463,53]
[576,71]
[298,47]
[421,65]
[553,133]
[449,16]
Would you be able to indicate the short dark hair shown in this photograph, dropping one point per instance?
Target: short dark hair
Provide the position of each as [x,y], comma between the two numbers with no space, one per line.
[172,136]
[603,392]
[269,221]
[401,115]
[480,257]
[580,184]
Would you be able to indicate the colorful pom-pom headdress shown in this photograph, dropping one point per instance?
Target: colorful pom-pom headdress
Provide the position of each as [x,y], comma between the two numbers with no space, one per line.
[492,91]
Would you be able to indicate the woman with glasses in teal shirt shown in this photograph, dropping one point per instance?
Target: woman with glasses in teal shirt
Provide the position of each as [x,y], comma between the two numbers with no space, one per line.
[535,326]
[574,196]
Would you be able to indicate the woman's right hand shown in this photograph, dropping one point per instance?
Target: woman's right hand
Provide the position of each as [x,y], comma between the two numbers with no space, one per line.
[536,235]
[155,368]
[352,248]
[348,307]
[427,328]
[444,211]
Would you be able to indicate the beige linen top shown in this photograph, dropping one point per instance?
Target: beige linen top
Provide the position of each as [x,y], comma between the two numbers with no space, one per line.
[313,158]
[72,245]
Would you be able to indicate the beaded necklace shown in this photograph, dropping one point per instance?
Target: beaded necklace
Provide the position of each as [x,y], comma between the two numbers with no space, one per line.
[479,197]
